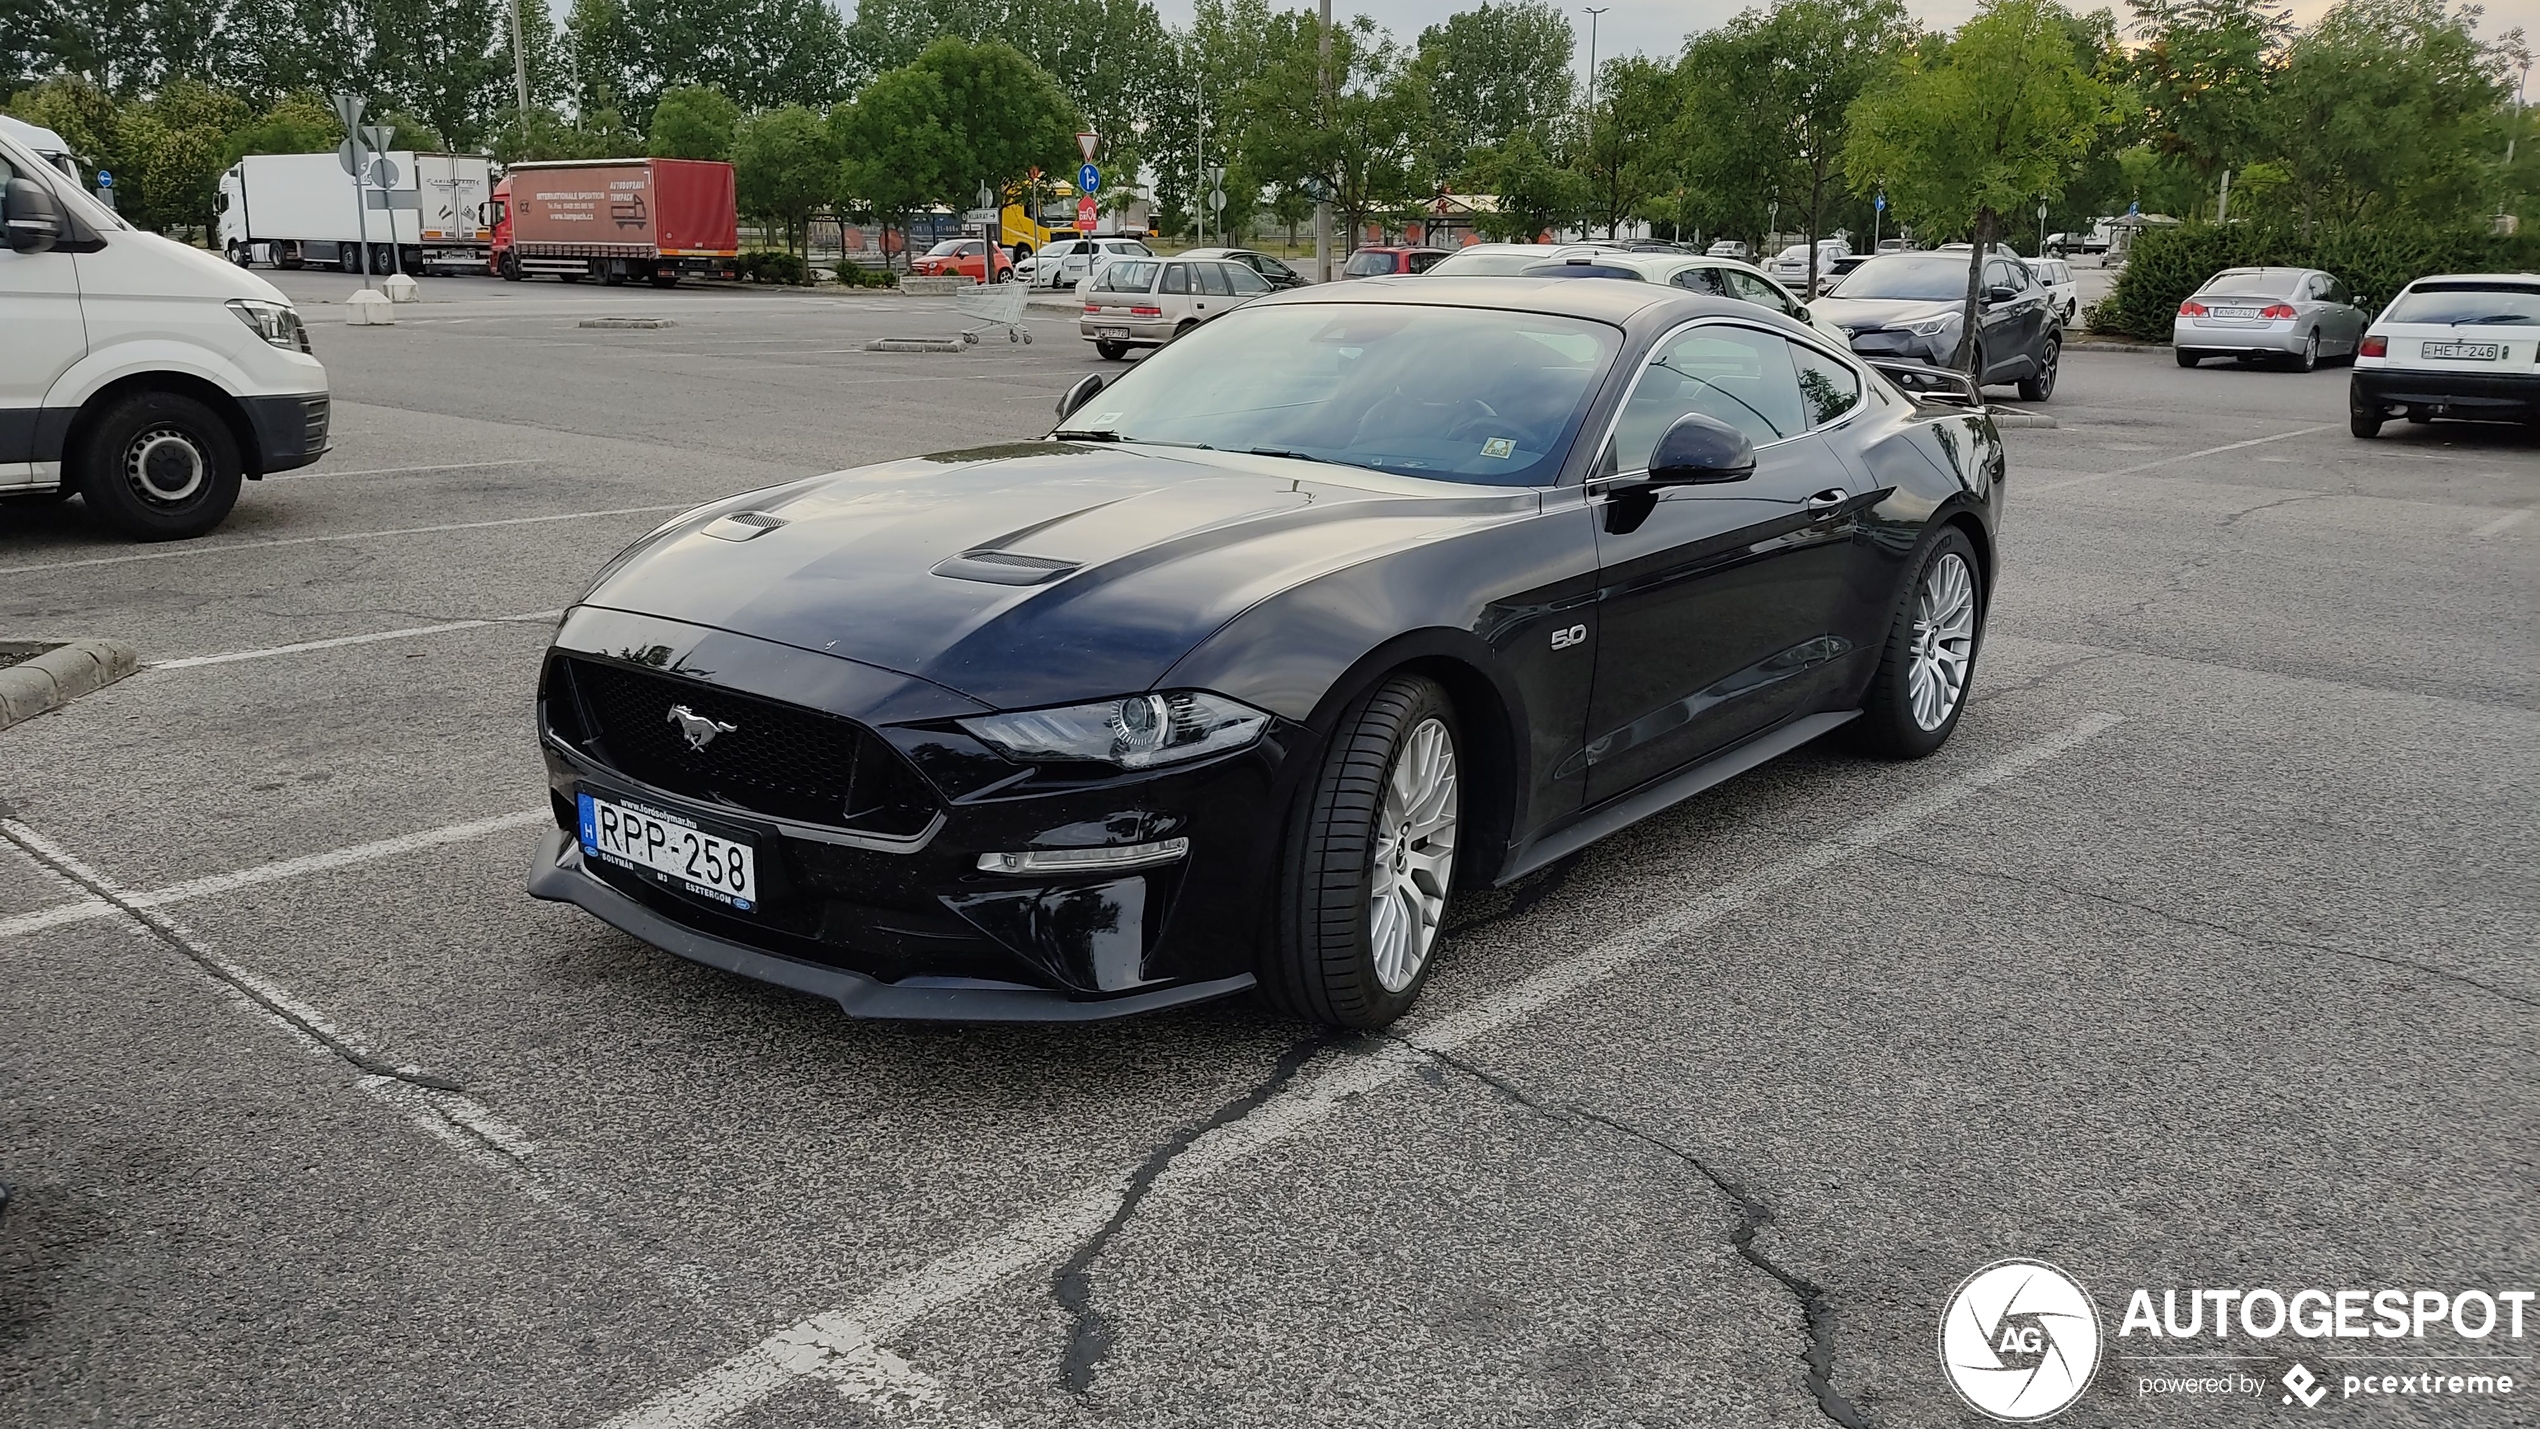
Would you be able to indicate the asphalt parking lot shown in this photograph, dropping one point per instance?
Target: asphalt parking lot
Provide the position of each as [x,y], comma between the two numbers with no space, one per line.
[2202,956]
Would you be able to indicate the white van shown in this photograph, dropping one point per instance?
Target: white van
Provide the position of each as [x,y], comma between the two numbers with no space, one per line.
[143,375]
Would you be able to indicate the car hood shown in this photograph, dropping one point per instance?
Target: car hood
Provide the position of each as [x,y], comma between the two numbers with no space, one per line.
[1034,573]
[1862,313]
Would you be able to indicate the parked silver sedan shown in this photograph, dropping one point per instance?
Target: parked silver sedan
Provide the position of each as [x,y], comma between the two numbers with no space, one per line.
[2291,315]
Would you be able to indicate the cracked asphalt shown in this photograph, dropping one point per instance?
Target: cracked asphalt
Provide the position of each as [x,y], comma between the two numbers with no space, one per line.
[2203,956]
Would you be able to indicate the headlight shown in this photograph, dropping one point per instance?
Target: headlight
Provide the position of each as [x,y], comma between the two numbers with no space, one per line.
[1135,732]
[1933,327]
[276,323]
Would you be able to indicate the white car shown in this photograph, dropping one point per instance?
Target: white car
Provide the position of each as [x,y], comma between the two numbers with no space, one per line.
[1067,262]
[2462,345]
[1791,264]
[2063,290]
[1723,278]
[146,376]
[1135,303]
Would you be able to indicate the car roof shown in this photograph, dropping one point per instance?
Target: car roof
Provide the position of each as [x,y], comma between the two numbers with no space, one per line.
[1661,265]
[1609,302]
[2478,278]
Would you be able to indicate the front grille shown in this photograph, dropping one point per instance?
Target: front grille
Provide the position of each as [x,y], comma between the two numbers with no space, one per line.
[763,756]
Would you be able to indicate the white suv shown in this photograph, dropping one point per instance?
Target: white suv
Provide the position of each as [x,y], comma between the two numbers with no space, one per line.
[148,377]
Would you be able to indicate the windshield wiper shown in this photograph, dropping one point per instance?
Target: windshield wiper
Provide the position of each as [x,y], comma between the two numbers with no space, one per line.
[2515,318]
[1073,436]
[1289,452]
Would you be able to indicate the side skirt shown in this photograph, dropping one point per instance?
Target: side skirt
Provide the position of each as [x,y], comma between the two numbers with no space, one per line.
[1630,809]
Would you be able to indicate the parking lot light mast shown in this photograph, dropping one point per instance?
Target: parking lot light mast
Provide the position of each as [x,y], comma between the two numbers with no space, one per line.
[1323,114]
[520,75]
[1592,13]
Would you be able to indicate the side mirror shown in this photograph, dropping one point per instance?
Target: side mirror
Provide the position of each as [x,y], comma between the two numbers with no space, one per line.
[1801,312]
[2000,293]
[32,216]
[1078,395]
[1698,450]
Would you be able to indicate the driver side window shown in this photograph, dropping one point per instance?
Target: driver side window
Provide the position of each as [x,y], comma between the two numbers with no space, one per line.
[1755,290]
[1735,374]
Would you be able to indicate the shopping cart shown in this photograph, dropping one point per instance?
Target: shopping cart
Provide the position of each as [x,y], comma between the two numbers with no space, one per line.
[993,305]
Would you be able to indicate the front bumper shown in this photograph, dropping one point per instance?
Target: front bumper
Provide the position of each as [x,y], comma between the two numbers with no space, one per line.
[290,431]
[2282,336]
[2486,396]
[1935,348]
[558,875]
[907,924]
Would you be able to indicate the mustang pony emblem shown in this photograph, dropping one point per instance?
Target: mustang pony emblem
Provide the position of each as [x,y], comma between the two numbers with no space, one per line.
[699,730]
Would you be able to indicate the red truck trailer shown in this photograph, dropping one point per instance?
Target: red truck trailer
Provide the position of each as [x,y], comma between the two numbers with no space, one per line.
[616,219]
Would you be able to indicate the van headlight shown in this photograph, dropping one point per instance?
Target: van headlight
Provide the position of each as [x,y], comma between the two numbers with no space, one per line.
[276,323]
[1133,732]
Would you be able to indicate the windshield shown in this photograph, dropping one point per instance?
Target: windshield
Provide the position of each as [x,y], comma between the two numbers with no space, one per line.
[949,247]
[1933,279]
[1124,275]
[2257,282]
[1368,263]
[2467,304]
[1459,394]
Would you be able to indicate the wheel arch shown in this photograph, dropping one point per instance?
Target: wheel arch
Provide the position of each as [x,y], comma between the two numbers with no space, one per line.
[211,394]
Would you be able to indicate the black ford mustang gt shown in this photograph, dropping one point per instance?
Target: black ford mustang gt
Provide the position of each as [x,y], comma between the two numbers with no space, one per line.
[1353,598]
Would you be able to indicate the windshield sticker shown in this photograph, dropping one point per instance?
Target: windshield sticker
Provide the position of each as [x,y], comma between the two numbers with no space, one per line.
[1103,419]
[1499,448]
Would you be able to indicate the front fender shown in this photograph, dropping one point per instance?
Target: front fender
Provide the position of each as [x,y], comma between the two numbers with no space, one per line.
[253,369]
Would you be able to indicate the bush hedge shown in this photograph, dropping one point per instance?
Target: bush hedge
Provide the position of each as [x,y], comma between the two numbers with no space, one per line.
[768,265]
[856,275]
[2167,264]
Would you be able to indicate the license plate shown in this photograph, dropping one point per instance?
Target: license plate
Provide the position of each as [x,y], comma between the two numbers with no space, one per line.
[2235,312]
[1111,332]
[2467,351]
[671,848]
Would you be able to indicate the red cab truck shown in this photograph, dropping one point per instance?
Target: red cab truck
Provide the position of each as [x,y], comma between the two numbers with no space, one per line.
[616,219]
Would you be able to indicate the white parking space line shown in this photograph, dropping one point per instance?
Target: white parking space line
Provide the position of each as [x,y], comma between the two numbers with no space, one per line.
[196,662]
[2170,460]
[224,548]
[435,1106]
[263,873]
[307,472]
[2504,523]
[847,1340]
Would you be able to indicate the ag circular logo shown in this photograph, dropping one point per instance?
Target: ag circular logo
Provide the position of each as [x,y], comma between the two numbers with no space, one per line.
[2019,1340]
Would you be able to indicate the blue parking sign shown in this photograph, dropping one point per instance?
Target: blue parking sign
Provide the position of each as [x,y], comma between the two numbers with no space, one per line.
[1089,178]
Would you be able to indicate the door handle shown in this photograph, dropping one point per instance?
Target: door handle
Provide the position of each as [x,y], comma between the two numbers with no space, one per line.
[1828,499]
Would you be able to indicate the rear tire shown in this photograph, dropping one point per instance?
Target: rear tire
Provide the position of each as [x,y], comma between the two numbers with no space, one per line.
[2308,359]
[665,279]
[1927,668]
[159,466]
[1111,351]
[2364,420]
[1370,862]
[2189,357]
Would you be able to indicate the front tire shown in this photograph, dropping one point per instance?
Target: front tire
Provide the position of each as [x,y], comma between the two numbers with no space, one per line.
[1370,862]
[2042,386]
[1928,665]
[159,466]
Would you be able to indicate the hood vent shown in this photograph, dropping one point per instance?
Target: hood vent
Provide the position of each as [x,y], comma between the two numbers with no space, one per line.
[1003,567]
[742,525]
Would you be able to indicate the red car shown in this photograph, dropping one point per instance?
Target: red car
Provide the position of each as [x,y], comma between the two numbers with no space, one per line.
[963,256]
[1383,262]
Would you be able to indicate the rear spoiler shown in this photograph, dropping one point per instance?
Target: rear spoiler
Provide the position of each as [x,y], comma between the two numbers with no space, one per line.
[1938,384]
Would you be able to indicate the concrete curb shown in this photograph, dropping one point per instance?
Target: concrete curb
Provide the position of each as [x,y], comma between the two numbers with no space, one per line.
[2011,417]
[61,674]
[630,322]
[2087,345]
[914,344]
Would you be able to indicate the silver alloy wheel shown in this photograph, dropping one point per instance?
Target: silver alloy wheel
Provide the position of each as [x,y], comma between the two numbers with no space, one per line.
[1944,640]
[1414,855]
[2311,351]
[166,464]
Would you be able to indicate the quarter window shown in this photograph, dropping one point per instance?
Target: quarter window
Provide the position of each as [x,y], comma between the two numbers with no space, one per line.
[1705,281]
[1177,278]
[1755,290]
[1245,282]
[1212,279]
[1735,374]
[1827,388]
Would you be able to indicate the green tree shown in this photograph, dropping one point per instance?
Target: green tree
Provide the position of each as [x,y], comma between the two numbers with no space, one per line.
[2391,108]
[694,121]
[893,145]
[1489,74]
[294,124]
[1627,160]
[1534,193]
[785,168]
[1004,115]
[2201,76]
[763,53]
[1996,118]
[1362,151]
[170,150]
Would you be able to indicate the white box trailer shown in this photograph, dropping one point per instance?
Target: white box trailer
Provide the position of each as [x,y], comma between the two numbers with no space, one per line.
[297,210]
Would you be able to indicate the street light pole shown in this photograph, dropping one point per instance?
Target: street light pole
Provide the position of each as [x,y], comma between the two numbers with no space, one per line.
[1592,13]
[1323,112]
[520,74]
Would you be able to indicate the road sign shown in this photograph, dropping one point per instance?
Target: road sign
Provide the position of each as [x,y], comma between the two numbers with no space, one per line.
[1880,203]
[348,110]
[378,137]
[2134,209]
[105,180]
[1084,215]
[384,171]
[349,154]
[1089,178]
[1216,200]
[1085,145]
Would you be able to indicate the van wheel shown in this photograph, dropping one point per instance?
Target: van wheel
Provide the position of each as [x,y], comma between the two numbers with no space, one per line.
[159,466]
